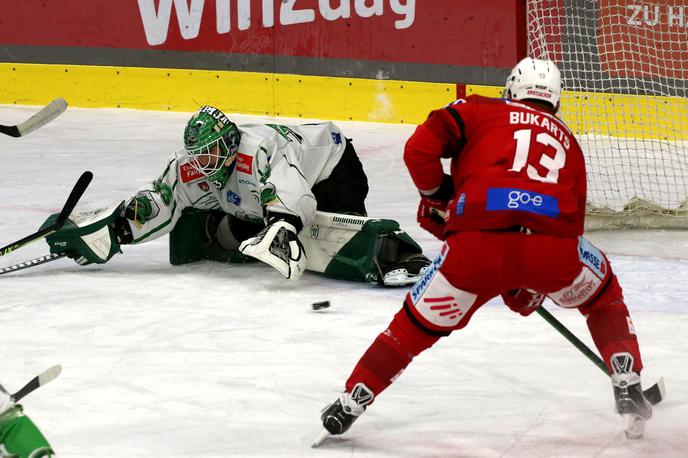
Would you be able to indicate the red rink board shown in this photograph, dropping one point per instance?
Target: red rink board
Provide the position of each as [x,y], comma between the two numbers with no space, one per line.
[457,32]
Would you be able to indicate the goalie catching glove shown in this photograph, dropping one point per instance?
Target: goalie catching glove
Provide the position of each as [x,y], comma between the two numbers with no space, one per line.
[278,246]
[90,237]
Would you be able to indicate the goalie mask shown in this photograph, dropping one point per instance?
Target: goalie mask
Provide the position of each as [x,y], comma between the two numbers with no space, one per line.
[211,142]
[534,79]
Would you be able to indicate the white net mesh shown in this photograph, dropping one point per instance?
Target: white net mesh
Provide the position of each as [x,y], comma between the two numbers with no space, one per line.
[625,73]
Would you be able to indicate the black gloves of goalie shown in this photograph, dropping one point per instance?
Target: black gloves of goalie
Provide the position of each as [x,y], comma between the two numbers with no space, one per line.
[90,237]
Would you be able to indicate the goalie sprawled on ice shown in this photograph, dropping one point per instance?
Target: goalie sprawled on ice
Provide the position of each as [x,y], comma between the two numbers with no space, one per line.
[290,196]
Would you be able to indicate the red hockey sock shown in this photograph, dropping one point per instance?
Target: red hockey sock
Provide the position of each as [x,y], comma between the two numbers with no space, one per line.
[390,353]
[611,327]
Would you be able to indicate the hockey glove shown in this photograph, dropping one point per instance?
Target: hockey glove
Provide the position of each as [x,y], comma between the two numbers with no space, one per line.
[278,245]
[523,301]
[90,237]
[432,210]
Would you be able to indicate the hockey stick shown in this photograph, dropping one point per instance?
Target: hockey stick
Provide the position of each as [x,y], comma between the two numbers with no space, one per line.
[32,263]
[74,196]
[40,119]
[41,379]
[654,394]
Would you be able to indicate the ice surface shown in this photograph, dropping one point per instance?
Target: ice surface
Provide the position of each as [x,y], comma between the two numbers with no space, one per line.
[215,360]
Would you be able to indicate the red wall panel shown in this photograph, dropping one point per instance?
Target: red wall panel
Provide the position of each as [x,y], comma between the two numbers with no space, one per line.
[481,33]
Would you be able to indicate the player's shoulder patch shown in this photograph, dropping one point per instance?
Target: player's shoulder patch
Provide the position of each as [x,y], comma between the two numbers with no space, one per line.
[188,174]
[456,102]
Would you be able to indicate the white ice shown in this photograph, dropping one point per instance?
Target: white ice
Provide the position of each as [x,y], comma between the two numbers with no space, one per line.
[214,360]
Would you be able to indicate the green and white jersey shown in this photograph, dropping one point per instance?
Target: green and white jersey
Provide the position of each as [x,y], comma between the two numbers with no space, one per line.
[275,168]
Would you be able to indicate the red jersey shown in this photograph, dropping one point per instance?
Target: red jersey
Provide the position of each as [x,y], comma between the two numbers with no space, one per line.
[512,164]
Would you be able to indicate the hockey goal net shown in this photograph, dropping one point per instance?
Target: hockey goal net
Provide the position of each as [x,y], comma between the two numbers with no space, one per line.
[625,74]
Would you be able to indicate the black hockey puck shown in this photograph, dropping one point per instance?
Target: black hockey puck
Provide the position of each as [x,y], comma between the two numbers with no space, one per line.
[320,305]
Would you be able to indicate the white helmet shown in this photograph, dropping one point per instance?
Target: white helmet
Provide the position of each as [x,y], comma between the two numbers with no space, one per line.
[534,79]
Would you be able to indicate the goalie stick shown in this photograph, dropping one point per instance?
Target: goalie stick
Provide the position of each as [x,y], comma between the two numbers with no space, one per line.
[41,379]
[74,196]
[654,395]
[40,119]
[32,263]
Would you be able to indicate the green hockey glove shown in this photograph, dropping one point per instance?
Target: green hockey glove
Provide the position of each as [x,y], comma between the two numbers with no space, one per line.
[89,237]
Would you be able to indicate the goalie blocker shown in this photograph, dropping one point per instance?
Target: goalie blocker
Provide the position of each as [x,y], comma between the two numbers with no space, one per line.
[339,246]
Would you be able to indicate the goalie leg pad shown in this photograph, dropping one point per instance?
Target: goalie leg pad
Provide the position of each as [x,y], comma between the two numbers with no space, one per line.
[278,246]
[358,248]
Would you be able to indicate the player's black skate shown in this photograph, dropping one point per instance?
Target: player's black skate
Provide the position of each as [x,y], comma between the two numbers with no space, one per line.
[338,417]
[628,395]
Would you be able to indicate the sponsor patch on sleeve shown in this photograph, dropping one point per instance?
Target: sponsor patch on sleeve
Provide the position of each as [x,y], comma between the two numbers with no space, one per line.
[233,198]
[188,174]
[244,163]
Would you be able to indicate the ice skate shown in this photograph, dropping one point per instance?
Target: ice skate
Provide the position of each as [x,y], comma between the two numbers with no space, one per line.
[628,395]
[405,272]
[338,417]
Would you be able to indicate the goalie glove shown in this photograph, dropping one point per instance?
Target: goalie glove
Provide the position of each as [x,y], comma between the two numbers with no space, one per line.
[90,237]
[523,301]
[278,245]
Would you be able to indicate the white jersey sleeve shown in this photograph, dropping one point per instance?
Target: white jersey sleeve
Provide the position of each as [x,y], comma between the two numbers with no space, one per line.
[290,160]
[154,210]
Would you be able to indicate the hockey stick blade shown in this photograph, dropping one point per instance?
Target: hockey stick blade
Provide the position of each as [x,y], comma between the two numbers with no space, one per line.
[324,434]
[74,196]
[38,381]
[40,119]
[32,263]
[654,395]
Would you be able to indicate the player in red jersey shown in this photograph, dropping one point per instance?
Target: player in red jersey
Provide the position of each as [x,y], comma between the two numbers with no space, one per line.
[511,216]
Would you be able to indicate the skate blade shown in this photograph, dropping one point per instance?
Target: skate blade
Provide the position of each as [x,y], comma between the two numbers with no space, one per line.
[400,277]
[634,426]
[321,437]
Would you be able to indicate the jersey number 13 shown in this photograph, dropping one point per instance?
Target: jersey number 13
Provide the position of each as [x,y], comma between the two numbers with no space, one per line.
[551,164]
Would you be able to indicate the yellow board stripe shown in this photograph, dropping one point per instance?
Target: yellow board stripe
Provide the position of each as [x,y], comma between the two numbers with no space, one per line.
[617,115]
[320,97]
[235,92]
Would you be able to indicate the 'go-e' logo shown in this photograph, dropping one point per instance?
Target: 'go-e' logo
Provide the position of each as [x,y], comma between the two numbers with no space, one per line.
[518,198]
[510,199]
